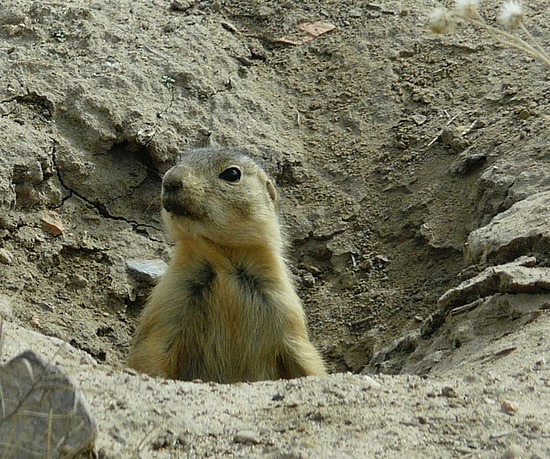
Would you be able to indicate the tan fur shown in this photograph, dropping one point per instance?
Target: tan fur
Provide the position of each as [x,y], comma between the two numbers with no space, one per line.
[226,309]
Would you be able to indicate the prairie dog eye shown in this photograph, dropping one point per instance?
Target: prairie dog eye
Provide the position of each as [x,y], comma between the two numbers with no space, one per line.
[231,174]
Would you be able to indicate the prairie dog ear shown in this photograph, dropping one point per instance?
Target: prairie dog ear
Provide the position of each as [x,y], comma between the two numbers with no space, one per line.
[271,191]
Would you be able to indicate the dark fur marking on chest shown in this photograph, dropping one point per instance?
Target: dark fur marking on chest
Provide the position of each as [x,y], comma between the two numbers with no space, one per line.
[201,282]
[253,286]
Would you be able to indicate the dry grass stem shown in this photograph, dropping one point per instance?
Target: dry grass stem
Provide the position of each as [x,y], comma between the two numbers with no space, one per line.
[511,16]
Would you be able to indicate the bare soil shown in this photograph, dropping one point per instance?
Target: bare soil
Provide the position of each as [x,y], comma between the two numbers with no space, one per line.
[389,145]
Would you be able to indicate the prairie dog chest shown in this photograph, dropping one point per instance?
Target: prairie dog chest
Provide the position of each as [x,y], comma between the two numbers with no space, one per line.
[229,322]
[232,302]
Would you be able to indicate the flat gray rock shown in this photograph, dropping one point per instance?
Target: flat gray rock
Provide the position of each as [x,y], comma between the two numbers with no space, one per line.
[43,413]
[146,270]
[519,276]
[522,229]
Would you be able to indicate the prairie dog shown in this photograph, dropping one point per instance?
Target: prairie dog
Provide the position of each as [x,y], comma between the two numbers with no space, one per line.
[226,309]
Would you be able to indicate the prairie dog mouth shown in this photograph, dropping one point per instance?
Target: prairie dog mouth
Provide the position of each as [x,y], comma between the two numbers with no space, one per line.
[173,198]
[175,206]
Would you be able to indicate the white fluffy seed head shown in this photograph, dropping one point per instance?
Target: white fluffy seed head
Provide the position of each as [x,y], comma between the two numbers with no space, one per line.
[466,8]
[440,20]
[511,14]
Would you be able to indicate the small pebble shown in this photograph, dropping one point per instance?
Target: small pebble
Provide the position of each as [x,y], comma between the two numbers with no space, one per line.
[228,26]
[7,223]
[540,364]
[419,119]
[509,407]
[46,307]
[433,358]
[308,280]
[524,114]
[180,5]
[88,360]
[52,223]
[448,392]
[381,259]
[77,282]
[6,258]
[372,383]
[411,422]
[512,452]
[5,307]
[246,436]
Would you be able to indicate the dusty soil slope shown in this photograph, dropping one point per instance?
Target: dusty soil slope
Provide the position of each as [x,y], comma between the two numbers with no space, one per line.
[390,145]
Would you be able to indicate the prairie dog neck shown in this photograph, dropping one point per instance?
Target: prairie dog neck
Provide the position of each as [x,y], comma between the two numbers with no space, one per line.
[266,259]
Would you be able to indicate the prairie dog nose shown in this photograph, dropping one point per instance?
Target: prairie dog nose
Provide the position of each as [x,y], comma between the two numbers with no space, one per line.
[172,181]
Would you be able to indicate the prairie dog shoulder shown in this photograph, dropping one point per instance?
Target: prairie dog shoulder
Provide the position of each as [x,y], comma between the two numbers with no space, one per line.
[226,309]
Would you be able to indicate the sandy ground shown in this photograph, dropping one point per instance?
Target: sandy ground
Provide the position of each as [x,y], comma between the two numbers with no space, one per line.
[461,413]
[390,146]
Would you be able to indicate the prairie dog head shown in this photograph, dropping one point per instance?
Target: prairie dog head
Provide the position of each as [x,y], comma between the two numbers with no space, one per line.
[220,195]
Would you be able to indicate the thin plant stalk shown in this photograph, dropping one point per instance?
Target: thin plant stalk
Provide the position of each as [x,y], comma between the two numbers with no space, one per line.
[513,41]
[535,42]
[441,20]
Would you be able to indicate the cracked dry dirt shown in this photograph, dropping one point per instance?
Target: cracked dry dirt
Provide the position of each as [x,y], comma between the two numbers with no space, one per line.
[359,128]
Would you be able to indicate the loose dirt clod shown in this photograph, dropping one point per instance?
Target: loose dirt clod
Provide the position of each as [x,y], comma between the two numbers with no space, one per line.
[52,223]
[246,436]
